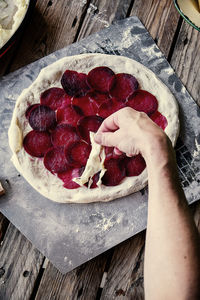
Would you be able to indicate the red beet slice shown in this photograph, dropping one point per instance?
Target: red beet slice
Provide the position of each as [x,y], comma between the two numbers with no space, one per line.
[124,86]
[74,83]
[28,111]
[77,153]
[63,135]
[67,177]
[143,101]
[42,118]
[87,105]
[36,143]
[55,98]
[101,79]
[134,165]
[109,107]
[99,98]
[55,160]
[69,114]
[95,179]
[87,124]
[115,172]
[159,119]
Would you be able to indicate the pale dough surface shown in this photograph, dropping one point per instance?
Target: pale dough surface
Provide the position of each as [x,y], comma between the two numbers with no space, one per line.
[11,16]
[32,168]
[191,9]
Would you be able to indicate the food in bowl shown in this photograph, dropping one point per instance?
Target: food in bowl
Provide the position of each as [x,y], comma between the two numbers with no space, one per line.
[191,10]
[11,15]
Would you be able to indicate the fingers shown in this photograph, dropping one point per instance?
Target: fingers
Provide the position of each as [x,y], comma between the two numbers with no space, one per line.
[108,139]
[108,125]
[117,151]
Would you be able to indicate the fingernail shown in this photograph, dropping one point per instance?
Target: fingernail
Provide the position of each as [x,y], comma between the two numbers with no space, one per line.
[97,138]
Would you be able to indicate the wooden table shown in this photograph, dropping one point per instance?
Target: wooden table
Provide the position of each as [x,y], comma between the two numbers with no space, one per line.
[117,274]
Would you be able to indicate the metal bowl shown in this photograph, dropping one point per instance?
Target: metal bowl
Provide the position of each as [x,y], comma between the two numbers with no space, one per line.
[185,17]
[16,34]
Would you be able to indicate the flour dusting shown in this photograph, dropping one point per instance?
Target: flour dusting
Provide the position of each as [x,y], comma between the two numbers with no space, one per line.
[196,152]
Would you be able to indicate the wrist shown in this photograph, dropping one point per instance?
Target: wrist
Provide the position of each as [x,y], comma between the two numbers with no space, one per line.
[159,151]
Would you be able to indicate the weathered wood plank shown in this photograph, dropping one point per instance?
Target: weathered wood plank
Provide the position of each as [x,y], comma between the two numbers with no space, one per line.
[5,61]
[101,13]
[19,266]
[160,18]
[3,221]
[3,226]
[186,59]
[54,25]
[125,275]
[81,283]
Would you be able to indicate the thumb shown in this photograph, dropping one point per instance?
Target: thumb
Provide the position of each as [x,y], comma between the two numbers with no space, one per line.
[106,139]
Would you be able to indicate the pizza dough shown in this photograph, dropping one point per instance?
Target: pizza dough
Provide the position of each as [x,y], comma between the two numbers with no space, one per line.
[11,16]
[32,168]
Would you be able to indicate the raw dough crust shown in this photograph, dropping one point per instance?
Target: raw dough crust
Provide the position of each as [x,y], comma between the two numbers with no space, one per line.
[32,168]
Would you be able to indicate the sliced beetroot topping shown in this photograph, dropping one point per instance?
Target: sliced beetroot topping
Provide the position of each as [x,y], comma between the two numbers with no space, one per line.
[134,165]
[74,83]
[101,79]
[63,135]
[77,153]
[42,118]
[36,143]
[87,124]
[87,105]
[55,98]
[159,119]
[69,114]
[55,161]
[109,107]
[95,179]
[67,177]
[98,97]
[143,101]
[124,86]
[28,111]
[115,172]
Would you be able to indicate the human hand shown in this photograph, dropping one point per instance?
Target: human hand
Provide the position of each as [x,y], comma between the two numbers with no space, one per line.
[131,132]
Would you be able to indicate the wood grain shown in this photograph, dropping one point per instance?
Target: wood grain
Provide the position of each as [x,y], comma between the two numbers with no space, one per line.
[3,226]
[125,275]
[81,283]
[54,25]
[19,266]
[186,59]
[160,18]
[102,13]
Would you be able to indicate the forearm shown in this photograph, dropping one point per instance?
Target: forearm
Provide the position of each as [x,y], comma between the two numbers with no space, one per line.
[171,241]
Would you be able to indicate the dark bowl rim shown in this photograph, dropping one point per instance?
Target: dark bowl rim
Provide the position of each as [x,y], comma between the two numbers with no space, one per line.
[12,39]
[185,17]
